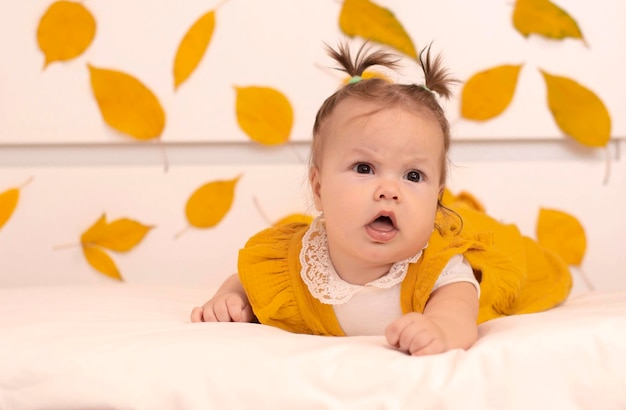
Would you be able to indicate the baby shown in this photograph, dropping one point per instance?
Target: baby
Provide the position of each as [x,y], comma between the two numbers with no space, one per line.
[385,256]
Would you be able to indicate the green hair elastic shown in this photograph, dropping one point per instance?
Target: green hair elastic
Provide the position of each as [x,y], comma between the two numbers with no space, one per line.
[355,79]
[426,88]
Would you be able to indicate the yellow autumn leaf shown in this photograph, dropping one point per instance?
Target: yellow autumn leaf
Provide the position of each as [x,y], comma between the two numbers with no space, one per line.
[120,235]
[65,31]
[123,234]
[95,231]
[101,261]
[563,234]
[192,47]
[8,202]
[208,205]
[264,114]
[544,18]
[372,22]
[294,218]
[488,93]
[578,111]
[126,104]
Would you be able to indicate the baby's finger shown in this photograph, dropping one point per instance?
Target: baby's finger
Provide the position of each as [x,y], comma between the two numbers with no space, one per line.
[395,330]
[221,311]
[196,314]
[419,342]
[392,336]
[207,313]
[236,308]
[246,314]
[432,347]
[413,337]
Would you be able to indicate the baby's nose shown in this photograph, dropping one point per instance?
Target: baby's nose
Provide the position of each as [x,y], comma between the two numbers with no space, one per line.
[387,191]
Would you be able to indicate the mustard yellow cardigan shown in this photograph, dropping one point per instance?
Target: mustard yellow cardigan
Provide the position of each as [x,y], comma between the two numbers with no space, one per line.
[516,274]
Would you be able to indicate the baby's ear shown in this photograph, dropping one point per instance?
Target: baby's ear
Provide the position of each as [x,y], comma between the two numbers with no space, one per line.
[442,190]
[315,182]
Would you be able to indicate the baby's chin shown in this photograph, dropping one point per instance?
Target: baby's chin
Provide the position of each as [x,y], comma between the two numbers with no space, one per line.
[387,257]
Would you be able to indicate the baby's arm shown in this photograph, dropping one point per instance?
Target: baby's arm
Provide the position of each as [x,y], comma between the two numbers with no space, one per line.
[229,304]
[448,322]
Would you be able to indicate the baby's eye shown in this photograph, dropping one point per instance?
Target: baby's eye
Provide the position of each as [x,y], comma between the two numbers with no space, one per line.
[414,176]
[362,168]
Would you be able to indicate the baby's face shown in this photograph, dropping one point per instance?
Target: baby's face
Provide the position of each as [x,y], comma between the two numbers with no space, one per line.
[378,183]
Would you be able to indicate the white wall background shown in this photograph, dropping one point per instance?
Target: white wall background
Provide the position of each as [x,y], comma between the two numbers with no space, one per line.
[52,131]
[279,43]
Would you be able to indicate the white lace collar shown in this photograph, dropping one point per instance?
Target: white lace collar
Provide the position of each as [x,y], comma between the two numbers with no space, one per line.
[321,278]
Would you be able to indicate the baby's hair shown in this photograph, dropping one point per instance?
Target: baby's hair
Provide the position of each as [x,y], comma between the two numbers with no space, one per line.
[361,61]
[414,97]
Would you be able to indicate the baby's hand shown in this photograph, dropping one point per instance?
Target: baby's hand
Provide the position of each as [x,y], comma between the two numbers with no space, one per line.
[416,334]
[224,307]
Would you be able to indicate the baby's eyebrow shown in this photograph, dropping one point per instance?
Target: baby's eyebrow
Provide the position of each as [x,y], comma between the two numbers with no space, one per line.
[410,160]
[362,149]
[423,163]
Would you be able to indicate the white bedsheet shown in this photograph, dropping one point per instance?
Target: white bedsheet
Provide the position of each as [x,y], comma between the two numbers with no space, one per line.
[133,347]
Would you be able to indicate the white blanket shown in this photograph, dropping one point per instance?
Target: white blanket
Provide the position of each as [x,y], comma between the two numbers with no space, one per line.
[133,347]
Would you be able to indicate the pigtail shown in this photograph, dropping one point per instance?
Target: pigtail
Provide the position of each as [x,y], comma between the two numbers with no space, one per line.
[414,96]
[436,78]
[363,60]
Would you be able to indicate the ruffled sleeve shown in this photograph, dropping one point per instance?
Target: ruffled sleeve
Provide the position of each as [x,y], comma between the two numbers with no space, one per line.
[517,275]
[499,276]
[269,270]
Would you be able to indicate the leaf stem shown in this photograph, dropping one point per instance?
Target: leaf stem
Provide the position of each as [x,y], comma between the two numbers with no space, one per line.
[586,279]
[257,204]
[220,4]
[179,234]
[28,181]
[66,246]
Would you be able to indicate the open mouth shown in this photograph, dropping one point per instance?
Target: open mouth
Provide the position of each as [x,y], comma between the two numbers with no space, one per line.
[382,229]
[383,223]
